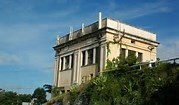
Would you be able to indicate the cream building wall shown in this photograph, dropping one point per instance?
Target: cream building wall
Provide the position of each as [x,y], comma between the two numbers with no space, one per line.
[89,44]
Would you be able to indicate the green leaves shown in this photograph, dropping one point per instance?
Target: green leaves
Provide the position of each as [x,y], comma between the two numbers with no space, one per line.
[125,85]
[12,98]
[40,94]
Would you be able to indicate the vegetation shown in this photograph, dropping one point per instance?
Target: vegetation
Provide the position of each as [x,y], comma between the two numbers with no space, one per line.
[48,88]
[12,98]
[124,84]
[40,95]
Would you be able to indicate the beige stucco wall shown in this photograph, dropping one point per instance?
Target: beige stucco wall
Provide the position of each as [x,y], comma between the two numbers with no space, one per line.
[65,78]
[86,71]
[69,77]
[81,45]
[138,46]
[130,29]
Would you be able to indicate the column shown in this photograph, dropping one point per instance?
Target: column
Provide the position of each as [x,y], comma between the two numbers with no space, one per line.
[70,59]
[102,62]
[74,69]
[58,69]
[79,67]
[94,55]
[63,63]
[55,72]
[59,63]
[81,60]
[136,54]
[126,53]
[86,57]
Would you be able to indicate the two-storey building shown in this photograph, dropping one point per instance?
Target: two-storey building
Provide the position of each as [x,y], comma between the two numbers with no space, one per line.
[82,54]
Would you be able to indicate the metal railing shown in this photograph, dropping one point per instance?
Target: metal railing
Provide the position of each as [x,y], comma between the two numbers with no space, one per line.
[174,61]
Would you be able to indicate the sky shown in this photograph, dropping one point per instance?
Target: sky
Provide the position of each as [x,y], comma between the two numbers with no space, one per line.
[28,31]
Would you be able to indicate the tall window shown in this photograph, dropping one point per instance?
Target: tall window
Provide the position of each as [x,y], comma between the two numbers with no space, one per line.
[123,53]
[67,60]
[97,55]
[72,60]
[131,53]
[140,57]
[61,63]
[90,56]
[83,59]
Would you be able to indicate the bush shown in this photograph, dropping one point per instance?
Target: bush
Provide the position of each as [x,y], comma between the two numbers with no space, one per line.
[128,86]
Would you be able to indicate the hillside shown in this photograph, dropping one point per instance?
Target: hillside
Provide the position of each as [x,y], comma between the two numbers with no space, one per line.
[124,84]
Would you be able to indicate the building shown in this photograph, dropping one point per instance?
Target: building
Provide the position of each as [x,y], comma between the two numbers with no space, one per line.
[82,54]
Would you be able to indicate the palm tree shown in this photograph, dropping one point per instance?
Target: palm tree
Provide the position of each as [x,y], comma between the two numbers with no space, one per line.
[48,88]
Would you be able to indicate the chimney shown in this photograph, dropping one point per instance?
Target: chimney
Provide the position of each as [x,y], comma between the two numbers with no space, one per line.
[100,21]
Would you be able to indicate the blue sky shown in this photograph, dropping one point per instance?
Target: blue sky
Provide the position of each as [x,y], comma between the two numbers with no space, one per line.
[28,30]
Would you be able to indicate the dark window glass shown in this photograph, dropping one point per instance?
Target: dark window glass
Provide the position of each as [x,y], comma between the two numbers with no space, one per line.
[72,60]
[140,57]
[123,53]
[132,41]
[67,60]
[131,53]
[90,56]
[91,75]
[83,59]
[61,64]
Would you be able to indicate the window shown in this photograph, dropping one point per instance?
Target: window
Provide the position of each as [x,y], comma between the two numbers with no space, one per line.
[90,56]
[123,53]
[83,59]
[91,75]
[67,60]
[61,63]
[131,53]
[140,57]
[97,55]
[72,60]
[133,41]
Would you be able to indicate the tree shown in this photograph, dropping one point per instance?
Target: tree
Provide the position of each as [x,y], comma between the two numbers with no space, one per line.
[48,88]
[24,97]
[40,95]
[12,98]
[8,98]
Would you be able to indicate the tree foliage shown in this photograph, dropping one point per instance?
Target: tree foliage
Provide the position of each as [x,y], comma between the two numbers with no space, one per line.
[40,95]
[126,85]
[12,98]
[48,88]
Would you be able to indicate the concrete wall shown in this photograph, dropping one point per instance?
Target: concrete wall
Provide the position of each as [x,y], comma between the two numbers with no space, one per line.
[130,29]
[86,71]
[69,77]
[65,78]
[138,46]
